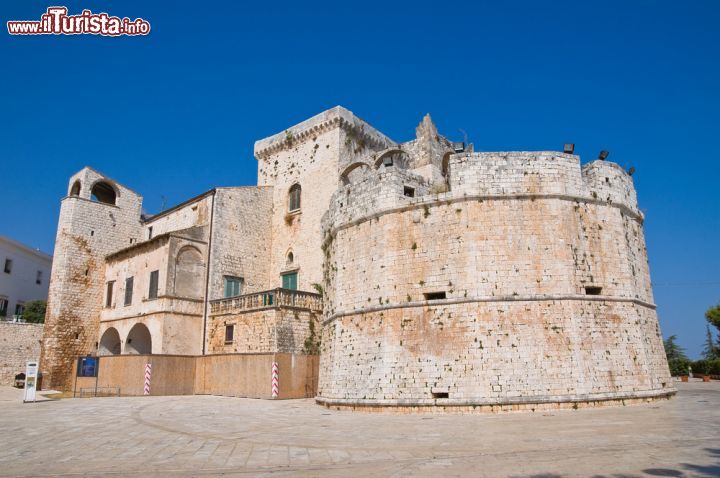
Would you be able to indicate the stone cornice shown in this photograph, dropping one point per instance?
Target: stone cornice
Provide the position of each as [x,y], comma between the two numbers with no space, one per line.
[333,118]
[436,404]
[512,298]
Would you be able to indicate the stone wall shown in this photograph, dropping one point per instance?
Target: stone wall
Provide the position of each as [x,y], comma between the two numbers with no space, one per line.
[192,213]
[527,281]
[267,330]
[19,343]
[241,239]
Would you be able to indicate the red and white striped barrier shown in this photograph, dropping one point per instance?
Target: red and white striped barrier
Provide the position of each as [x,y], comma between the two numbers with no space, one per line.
[275,380]
[148,373]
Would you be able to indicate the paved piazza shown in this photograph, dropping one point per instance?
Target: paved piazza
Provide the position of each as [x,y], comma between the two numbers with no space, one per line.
[213,436]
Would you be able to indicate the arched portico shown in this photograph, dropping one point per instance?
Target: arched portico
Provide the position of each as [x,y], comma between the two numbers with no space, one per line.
[110,342]
[139,341]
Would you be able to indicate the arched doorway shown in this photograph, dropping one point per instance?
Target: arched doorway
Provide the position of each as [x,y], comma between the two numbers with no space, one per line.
[109,342]
[138,341]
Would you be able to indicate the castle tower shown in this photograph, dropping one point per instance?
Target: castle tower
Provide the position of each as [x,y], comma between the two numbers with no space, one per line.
[97,217]
[302,164]
[524,286]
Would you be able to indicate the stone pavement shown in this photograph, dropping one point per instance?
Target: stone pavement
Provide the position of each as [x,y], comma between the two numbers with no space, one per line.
[220,436]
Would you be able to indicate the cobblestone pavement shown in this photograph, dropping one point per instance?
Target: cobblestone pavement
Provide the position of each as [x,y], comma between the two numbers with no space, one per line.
[211,436]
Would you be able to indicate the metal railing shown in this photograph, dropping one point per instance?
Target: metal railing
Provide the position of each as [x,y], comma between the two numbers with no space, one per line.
[97,392]
[266,300]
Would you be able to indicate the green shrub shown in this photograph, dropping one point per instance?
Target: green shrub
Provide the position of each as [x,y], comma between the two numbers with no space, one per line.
[679,366]
[706,367]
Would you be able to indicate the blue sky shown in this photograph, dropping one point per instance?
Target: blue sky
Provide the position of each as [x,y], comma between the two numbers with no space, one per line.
[176,113]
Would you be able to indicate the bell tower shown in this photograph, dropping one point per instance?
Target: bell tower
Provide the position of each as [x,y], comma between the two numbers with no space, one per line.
[97,217]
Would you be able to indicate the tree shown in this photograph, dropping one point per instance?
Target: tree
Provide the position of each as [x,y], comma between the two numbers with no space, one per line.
[713,317]
[710,352]
[677,360]
[35,311]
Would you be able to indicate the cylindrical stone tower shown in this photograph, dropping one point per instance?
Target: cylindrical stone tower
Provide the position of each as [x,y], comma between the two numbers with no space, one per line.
[525,286]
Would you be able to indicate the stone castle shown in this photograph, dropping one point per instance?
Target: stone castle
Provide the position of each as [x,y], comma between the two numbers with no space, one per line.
[423,273]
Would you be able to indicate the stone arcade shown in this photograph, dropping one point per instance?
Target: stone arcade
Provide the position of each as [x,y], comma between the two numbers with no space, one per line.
[449,278]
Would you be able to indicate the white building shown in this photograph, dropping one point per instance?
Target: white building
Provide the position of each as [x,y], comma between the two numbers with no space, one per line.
[24,277]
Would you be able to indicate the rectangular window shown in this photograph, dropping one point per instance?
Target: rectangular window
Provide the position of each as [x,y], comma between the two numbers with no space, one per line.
[289,281]
[229,334]
[109,293]
[8,266]
[38,277]
[153,292]
[593,290]
[3,307]
[128,290]
[19,309]
[409,192]
[232,285]
[434,295]
[149,233]
[294,199]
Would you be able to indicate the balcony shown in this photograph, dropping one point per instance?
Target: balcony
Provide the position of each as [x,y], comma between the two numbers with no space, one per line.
[268,299]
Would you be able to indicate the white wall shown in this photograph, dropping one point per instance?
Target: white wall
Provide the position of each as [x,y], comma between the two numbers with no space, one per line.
[19,286]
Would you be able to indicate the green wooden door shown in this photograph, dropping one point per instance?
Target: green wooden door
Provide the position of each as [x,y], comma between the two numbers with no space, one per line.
[289,281]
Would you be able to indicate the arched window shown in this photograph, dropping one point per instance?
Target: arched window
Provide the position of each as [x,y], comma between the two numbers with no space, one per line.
[353,172]
[290,258]
[393,157]
[103,192]
[75,189]
[294,198]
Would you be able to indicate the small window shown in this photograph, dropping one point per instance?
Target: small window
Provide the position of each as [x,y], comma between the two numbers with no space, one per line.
[8,266]
[409,192]
[593,290]
[229,334]
[289,281]
[153,292]
[109,293]
[128,290]
[289,259]
[232,286]
[3,307]
[294,197]
[440,395]
[150,232]
[38,277]
[434,295]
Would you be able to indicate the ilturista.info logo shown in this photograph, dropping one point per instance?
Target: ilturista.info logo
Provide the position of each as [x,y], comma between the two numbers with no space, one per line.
[56,21]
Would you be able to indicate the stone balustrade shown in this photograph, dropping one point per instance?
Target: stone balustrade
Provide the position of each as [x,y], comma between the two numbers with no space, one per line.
[274,298]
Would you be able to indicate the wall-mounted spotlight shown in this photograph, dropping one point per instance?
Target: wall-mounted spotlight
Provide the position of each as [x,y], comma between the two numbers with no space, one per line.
[603,155]
[569,148]
[459,147]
